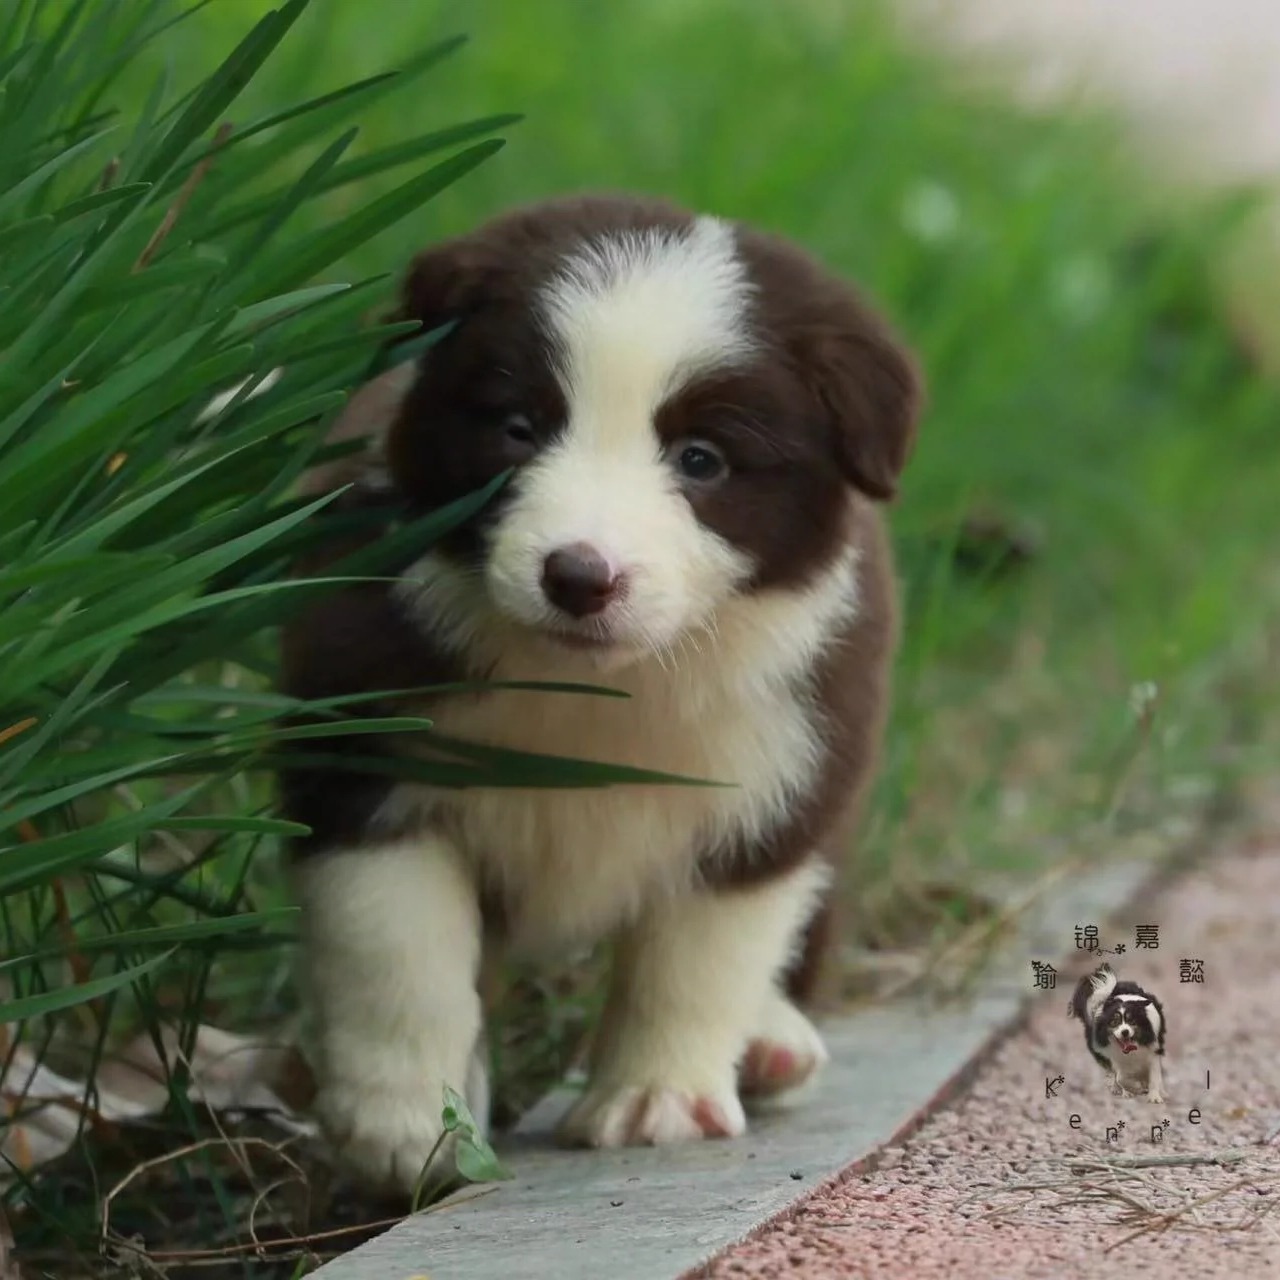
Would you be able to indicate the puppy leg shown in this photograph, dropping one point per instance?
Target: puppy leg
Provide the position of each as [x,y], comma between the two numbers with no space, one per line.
[1155,1080]
[692,981]
[392,942]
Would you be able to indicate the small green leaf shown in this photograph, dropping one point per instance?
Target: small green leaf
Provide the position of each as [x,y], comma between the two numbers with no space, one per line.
[316,117]
[100,200]
[34,181]
[284,208]
[35,464]
[260,314]
[478,1162]
[47,800]
[367,166]
[450,1114]
[456,1114]
[398,353]
[183,274]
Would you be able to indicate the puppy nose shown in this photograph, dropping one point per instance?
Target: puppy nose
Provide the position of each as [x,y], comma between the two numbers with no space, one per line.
[579,580]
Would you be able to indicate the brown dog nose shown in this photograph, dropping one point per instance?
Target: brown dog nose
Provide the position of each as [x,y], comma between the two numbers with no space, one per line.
[578,579]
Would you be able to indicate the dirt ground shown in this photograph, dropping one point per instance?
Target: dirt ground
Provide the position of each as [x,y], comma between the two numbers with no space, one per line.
[1002,1185]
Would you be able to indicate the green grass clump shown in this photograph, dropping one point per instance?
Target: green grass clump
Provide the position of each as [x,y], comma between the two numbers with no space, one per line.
[187,205]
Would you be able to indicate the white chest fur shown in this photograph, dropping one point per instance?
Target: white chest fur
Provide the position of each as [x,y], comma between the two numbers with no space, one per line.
[1132,1066]
[736,709]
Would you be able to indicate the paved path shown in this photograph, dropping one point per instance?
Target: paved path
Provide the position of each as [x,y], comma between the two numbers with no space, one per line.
[984,1189]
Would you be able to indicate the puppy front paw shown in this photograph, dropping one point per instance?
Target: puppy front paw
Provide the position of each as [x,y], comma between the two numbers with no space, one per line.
[1154,1095]
[784,1054]
[651,1115]
[383,1135]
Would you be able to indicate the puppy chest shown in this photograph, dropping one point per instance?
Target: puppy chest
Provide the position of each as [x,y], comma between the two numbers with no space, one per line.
[1134,1065]
[569,864]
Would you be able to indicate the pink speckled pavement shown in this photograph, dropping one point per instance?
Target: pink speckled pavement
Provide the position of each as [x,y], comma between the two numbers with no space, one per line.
[986,1191]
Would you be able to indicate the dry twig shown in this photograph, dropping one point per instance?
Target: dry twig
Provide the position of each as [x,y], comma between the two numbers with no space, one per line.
[181,200]
[1233,1156]
[1162,1222]
[235,1145]
[976,942]
[208,1257]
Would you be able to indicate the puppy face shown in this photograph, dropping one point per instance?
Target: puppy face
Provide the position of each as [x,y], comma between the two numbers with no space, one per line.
[686,406]
[1129,1023]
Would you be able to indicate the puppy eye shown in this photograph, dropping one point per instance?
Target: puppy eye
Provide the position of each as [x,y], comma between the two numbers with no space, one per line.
[698,460]
[519,429]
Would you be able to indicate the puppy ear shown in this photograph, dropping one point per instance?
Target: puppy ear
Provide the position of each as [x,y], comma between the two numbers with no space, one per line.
[871,392]
[443,283]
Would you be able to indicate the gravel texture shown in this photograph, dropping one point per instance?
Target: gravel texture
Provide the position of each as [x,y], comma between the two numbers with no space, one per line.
[986,1188]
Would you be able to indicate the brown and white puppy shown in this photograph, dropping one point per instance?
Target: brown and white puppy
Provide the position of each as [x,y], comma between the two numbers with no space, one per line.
[701,421]
[1124,1029]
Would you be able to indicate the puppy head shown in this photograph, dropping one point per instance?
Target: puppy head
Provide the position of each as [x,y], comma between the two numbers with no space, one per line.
[1129,1023]
[686,406]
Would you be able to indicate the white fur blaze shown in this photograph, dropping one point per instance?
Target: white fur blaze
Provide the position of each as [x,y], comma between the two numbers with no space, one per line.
[692,981]
[391,953]
[635,317]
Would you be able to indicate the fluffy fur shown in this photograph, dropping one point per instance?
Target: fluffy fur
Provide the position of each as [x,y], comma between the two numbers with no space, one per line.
[700,421]
[1124,1030]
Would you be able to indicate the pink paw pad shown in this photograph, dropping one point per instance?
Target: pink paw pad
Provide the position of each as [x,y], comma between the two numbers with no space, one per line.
[659,1116]
[769,1067]
[651,1117]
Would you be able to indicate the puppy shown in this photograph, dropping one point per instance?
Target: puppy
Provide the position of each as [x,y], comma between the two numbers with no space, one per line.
[1124,1029]
[700,424]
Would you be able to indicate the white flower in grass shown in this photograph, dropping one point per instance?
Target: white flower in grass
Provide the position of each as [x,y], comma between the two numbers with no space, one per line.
[1142,699]
[931,212]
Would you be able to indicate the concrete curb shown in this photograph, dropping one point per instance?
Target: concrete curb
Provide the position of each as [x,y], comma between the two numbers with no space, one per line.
[653,1215]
